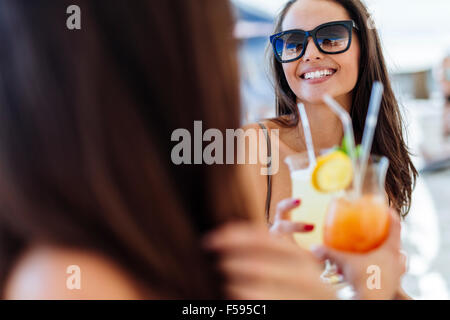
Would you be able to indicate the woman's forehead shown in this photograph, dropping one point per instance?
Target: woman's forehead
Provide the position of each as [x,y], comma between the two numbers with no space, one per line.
[308,14]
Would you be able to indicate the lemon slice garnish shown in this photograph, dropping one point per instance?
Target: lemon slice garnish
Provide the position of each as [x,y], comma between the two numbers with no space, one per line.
[333,172]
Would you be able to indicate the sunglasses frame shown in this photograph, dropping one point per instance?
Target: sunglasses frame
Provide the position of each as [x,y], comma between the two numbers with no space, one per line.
[348,24]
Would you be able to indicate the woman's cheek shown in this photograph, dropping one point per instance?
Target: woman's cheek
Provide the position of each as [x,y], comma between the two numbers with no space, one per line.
[349,74]
[350,79]
[354,75]
[291,75]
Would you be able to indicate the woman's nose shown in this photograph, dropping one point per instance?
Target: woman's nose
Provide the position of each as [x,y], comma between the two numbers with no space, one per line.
[312,53]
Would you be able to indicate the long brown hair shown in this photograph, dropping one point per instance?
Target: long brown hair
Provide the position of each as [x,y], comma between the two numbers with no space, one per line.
[86,118]
[388,139]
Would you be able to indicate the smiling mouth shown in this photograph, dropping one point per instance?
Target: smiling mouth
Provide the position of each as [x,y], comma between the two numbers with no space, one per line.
[318,74]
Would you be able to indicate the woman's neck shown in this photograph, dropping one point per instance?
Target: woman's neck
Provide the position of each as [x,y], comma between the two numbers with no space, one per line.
[326,127]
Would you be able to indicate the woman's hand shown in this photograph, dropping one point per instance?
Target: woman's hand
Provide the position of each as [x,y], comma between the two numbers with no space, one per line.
[259,266]
[387,259]
[282,226]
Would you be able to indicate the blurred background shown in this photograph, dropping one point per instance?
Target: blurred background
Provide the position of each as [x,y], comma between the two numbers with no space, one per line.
[416,39]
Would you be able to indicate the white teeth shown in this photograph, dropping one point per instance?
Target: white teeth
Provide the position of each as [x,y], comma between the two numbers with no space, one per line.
[318,74]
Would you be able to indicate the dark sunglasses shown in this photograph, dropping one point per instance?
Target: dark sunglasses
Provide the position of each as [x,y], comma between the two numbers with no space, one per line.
[330,38]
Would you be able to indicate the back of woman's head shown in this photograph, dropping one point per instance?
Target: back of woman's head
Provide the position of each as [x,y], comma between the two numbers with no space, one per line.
[85,133]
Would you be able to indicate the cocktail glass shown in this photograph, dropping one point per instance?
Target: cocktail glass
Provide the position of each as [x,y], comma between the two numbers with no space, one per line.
[358,220]
[313,208]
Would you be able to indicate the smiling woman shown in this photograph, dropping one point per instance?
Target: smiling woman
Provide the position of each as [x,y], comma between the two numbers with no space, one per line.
[325,47]
[330,20]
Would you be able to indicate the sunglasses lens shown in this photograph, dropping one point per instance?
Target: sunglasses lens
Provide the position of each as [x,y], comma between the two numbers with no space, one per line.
[333,38]
[289,46]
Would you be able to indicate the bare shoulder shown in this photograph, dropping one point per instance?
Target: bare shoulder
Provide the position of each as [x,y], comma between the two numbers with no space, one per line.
[273,124]
[59,273]
[273,129]
[251,126]
[268,123]
[283,134]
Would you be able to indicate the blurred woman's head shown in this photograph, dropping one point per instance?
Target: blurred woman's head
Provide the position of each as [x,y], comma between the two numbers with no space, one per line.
[85,133]
[350,82]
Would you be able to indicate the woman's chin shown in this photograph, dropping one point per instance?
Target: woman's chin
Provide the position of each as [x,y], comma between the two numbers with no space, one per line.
[313,99]
[316,96]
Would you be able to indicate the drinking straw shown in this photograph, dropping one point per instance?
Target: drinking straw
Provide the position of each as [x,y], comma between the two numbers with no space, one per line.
[369,127]
[308,135]
[346,123]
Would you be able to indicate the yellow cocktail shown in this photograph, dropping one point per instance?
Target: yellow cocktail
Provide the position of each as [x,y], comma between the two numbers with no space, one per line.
[312,210]
[314,204]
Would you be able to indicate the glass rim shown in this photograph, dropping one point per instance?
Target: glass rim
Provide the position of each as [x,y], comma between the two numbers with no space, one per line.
[373,158]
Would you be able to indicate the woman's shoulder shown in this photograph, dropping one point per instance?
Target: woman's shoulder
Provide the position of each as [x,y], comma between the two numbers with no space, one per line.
[270,123]
[275,126]
[45,272]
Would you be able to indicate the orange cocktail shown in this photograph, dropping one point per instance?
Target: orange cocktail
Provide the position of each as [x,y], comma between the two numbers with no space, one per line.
[360,222]
[357,226]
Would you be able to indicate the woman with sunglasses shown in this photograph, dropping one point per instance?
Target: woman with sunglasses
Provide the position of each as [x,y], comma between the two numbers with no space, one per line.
[319,47]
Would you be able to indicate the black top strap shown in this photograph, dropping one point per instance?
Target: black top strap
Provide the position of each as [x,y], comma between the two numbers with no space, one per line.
[269,173]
